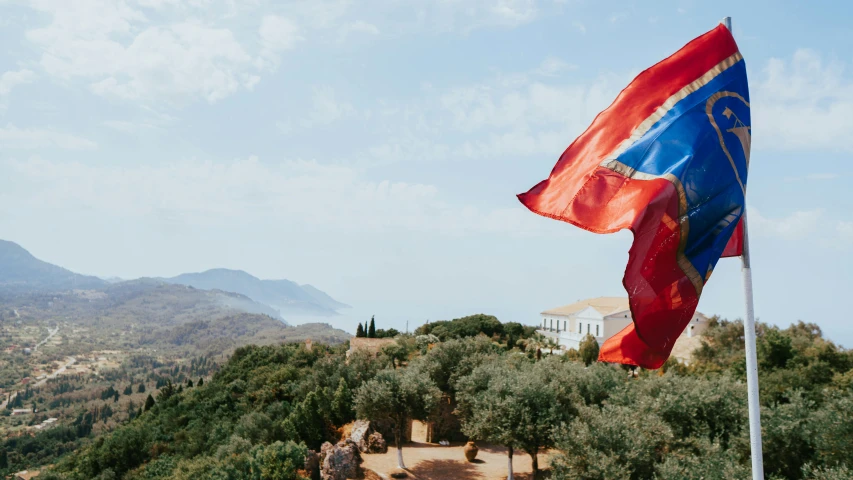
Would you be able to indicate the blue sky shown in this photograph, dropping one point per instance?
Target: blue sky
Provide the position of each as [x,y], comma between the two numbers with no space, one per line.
[374,148]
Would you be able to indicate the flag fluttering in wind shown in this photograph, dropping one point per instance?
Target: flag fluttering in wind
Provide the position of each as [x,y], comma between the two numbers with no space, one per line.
[667,160]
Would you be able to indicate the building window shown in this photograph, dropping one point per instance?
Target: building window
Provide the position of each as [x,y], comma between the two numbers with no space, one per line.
[552,324]
[596,330]
[580,327]
[564,325]
[587,329]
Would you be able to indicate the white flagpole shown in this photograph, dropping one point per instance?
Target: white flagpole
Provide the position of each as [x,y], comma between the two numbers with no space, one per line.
[751,358]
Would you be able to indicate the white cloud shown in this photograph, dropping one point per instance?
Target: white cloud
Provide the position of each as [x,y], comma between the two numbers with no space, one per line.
[12,137]
[803,103]
[326,108]
[277,34]
[133,127]
[517,114]
[184,60]
[580,26]
[845,231]
[525,116]
[461,16]
[515,12]
[123,54]
[181,50]
[553,66]
[813,177]
[248,189]
[618,17]
[11,79]
[822,176]
[359,26]
[799,224]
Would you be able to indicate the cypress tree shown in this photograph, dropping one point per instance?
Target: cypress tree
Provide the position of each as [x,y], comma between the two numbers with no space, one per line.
[149,402]
[200,382]
[371,331]
[359,332]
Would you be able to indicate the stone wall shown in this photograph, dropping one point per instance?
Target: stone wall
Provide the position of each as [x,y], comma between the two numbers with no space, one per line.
[372,345]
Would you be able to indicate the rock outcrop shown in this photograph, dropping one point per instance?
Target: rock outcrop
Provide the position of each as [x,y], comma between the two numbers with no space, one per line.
[360,432]
[376,444]
[366,441]
[339,462]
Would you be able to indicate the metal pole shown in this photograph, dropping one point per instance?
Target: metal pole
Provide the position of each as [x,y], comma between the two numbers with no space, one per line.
[751,358]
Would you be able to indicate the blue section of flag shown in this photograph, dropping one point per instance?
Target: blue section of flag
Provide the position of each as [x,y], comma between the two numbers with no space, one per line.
[684,143]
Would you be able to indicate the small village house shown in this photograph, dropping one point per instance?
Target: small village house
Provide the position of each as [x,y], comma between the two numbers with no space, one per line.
[600,317]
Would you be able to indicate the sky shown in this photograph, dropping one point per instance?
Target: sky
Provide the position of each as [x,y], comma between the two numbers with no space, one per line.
[374,149]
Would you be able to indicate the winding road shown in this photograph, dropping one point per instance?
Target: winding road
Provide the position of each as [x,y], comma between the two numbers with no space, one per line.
[68,362]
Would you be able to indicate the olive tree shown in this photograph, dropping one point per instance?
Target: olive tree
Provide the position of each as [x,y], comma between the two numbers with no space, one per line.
[611,442]
[510,402]
[397,395]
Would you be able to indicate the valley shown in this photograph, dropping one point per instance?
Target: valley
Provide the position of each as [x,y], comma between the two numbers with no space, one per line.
[77,362]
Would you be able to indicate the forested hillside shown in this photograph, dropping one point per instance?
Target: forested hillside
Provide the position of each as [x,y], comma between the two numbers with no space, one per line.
[262,411]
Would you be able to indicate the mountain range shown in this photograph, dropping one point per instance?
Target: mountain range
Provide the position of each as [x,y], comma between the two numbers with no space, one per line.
[284,295]
[21,272]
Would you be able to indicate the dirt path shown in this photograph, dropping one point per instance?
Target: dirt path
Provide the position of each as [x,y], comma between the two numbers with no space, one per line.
[430,461]
[50,334]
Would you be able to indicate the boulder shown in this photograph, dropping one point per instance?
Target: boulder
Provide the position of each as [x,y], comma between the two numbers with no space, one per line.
[359,433]
[339,462]
[375,444]
[366,438]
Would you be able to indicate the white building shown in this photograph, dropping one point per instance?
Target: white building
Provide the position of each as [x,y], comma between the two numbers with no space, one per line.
[600,317]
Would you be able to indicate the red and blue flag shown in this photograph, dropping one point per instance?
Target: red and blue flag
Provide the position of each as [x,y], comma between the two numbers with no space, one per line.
[667,160]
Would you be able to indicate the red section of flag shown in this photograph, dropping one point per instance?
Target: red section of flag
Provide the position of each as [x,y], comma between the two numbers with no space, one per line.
[735,246]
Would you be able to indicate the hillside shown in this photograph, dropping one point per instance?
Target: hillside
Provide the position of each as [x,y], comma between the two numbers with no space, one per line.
[21,271]
[284,295]
[80,363]
[141,313]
